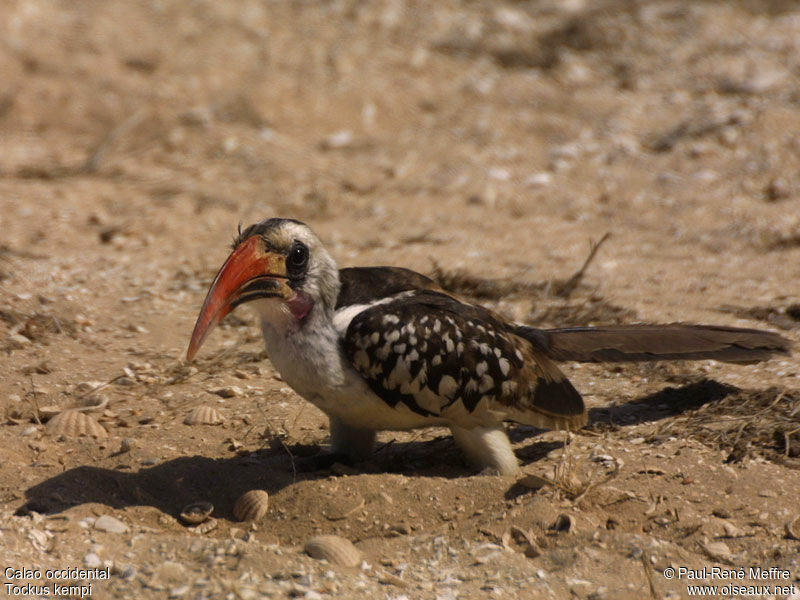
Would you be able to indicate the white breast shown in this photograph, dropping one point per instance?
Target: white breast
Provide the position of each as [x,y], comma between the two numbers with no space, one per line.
[310,360]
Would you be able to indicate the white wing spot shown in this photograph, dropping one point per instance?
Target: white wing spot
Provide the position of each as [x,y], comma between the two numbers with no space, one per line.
[447,386]
[481,368]
[390,319]
[375,337]
[518,354]
[399,348]
[393,336]
[508,387]
[486,384]
[436,360]
[399,375]
[485,348]
[505,366]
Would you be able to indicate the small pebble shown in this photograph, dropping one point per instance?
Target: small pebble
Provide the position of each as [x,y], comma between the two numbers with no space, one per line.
[718,550]
[110,524]
[179,592]
[230,391]
[92,561]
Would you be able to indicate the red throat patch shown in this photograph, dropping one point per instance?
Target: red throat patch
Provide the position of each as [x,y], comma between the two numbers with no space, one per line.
[300,305]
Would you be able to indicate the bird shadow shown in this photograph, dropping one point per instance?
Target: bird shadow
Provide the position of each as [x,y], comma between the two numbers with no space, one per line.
[173,484]
[669,402]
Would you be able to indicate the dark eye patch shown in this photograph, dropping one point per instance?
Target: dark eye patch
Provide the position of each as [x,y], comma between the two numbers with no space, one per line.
[297,260]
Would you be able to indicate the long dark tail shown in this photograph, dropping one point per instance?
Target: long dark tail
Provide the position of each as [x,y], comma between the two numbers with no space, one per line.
[656,342]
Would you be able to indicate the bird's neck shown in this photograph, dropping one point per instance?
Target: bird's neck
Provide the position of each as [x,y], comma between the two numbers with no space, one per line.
[306,351]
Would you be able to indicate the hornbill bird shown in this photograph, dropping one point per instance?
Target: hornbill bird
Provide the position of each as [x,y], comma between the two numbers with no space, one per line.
[386,348]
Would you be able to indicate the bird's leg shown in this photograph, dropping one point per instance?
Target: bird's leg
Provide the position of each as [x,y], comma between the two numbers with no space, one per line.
[352,442]
[487,447]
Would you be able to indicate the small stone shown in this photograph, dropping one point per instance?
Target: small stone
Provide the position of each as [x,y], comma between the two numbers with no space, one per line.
[533,482]
[793,529]
[486,553]
[777,189]
[92,561]
[338,140]
[539,180]
[179,592]
[110,524]
[718,550]
[520,540]
[230,391]
[731,530]
[17,340]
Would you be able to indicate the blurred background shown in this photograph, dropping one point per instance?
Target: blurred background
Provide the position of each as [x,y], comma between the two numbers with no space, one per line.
[487,142]
[501,138]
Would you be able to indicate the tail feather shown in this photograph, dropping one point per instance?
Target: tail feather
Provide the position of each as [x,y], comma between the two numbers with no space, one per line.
[631,343]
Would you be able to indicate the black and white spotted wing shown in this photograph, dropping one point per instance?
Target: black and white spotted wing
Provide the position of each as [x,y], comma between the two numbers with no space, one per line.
[439,356]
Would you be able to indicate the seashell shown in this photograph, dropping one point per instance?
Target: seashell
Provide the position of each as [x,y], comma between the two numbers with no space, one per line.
[251,506]
[533,482]
[336,550]
[196,512]
[563,523]
[49,411]
[204,528]
[793,529]
[516,538]
[74,423]
[204,415]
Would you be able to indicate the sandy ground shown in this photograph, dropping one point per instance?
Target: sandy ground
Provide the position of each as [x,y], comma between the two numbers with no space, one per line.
[488,139]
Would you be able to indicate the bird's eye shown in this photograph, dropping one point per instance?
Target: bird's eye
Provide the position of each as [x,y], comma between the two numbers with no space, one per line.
[298,258]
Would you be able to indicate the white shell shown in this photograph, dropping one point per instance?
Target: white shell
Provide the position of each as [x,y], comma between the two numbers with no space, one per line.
[204,415]
[196,512]
[251,506]
[336,550]
[74,423]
